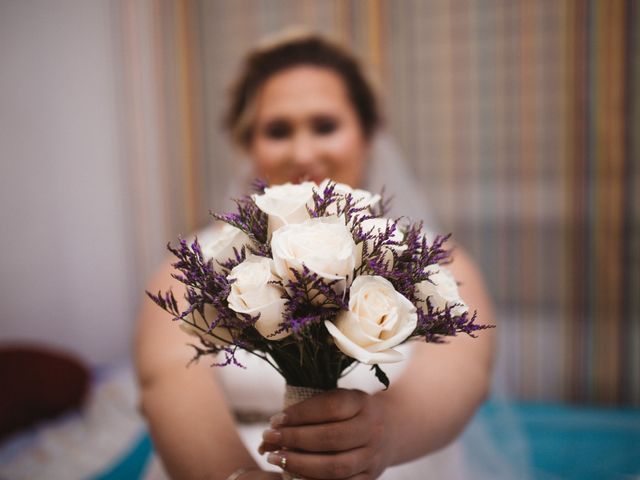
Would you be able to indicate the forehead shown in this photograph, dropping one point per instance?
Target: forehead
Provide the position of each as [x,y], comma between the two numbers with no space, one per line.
[302,90]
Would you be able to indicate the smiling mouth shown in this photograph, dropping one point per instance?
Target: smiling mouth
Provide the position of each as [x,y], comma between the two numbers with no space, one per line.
[308,177]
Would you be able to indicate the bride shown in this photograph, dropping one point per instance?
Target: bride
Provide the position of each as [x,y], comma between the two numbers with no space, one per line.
[302,109]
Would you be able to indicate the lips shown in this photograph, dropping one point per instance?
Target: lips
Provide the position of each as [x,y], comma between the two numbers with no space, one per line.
[309,177]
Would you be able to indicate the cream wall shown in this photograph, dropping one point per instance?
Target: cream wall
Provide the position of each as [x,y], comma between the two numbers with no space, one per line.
[66,271]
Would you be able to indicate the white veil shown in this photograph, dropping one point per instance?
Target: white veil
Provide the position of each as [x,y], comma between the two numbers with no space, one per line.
[493,442]
[389,169]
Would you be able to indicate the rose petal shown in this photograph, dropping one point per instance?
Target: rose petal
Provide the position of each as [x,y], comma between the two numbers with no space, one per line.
[225,238]
[399,337]
[253,294]
[285,204]
[350,325]
[352,350]
[270,320]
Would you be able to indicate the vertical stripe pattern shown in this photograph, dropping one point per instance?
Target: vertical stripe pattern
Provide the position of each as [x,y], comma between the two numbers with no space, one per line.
[520,118]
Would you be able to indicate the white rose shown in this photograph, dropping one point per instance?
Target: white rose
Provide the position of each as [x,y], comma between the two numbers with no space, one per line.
[324,245]
[224,240]
[379,319]
[443,291]
[377,226]
[285,204]
[251,293]
[363,198]
[199,325]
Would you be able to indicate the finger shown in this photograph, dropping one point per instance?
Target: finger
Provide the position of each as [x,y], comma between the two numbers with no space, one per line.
[317,465]
[332,406]
[267,447]
[327,437]
[359,476]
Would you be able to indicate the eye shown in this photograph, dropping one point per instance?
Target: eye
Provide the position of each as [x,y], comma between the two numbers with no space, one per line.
[324,125]
[277,130]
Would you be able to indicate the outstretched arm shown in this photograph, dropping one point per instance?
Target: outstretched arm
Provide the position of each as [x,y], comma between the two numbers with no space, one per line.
[450,380]
[349,434]
[191,425]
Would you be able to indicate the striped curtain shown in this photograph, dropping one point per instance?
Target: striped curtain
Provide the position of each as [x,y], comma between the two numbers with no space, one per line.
[521,119]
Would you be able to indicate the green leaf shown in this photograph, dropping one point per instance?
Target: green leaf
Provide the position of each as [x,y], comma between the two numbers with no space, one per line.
[380,375]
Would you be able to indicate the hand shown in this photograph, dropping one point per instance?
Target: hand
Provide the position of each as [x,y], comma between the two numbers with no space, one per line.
[336,435]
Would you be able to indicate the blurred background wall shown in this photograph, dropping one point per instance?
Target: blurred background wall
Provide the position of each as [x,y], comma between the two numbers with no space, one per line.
[519,118]
[66,265]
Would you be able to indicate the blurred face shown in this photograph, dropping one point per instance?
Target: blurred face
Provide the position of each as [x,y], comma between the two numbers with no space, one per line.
[307,129]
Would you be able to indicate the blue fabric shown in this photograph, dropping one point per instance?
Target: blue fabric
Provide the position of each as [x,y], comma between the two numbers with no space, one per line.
[570,442]
[131,465]
[583,443]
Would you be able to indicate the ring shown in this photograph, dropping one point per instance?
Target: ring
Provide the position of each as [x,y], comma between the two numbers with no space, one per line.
[283,462]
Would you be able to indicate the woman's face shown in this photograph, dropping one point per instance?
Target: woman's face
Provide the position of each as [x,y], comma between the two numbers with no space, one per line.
[306,128]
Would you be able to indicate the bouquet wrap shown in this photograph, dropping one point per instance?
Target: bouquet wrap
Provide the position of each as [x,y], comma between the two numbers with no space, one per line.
[293,395]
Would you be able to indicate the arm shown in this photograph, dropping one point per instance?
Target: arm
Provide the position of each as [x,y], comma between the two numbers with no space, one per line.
[422,411]
[191,425]
[455,378]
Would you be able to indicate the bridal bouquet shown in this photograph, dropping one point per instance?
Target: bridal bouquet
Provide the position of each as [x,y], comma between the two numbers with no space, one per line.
[312,278]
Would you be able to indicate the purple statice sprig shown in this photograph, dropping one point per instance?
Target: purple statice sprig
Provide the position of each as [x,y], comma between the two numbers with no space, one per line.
[229,352]
[410,265]
[323,200]
[205,284]
[411,269]
[410,258]
[259,185]
[252,221]
[166,301]
[309,299]
[383,206]
[376,247]
[435,325]
[353,212]
[346,206]
[309,357]
[197,275]
[408,269]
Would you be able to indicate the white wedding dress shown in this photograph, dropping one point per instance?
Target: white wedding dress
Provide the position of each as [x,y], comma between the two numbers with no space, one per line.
[258,391]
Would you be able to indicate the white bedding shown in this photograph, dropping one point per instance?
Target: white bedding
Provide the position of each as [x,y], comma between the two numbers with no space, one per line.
[79,445]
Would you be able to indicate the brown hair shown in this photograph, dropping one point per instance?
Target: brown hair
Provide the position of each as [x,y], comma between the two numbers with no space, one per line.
[308,49]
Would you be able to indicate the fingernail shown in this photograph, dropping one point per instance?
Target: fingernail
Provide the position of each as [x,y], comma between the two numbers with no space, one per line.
[278,419]
[261,449]
[274,458]
[271,436]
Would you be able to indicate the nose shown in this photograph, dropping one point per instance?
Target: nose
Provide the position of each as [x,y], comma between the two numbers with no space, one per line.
[303,149]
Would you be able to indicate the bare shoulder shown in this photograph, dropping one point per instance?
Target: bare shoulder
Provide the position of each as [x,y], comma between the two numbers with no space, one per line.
[162,278]
[464,267]
[472,285]
[159,343]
